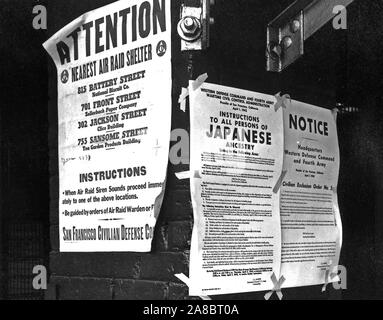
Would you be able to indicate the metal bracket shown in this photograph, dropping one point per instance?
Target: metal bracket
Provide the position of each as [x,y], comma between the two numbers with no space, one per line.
[287,32]
[194,26]
[285,43]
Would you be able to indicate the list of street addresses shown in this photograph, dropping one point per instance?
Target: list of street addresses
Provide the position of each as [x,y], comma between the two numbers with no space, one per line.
[114,114]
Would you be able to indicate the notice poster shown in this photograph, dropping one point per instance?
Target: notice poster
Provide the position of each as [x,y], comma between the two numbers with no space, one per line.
[310,218]
[236,160]
[114,114]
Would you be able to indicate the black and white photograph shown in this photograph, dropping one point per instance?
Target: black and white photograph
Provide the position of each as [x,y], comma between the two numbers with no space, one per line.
[190,155]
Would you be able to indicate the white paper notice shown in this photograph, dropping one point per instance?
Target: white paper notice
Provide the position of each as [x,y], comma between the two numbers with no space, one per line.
[236,160]
[114,113]
[310,218]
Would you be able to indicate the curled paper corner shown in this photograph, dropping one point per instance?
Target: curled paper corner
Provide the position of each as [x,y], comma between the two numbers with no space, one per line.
[183,106]
[277,287]
[279,182]
[158,201]
[199,81]
[282,101]
[335,112]
[183,175]
[186,281]
[182,99]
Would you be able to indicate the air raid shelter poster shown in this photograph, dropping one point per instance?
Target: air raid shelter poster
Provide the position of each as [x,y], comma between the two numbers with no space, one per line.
[114,84]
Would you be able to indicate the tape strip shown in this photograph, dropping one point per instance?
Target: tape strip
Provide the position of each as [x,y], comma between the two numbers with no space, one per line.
[183,278]
[187,175]
[328,276]
[183,175]
[185,91]
[335,112]
[325,280]
[199,81]
[279,182]
[183,106]
[282,101]
[277,287]
[186,281]
[182,99]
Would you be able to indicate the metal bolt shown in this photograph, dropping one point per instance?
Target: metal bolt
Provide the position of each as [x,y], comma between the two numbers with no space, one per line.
[275,51]
[189,23]
[189,28]
[295,25]
[211,21]
[212,2]
[287,42]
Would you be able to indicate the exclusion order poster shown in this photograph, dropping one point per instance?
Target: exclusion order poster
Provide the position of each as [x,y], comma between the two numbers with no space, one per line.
[114,83]
[263,188]
[236,161]
[310,217]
